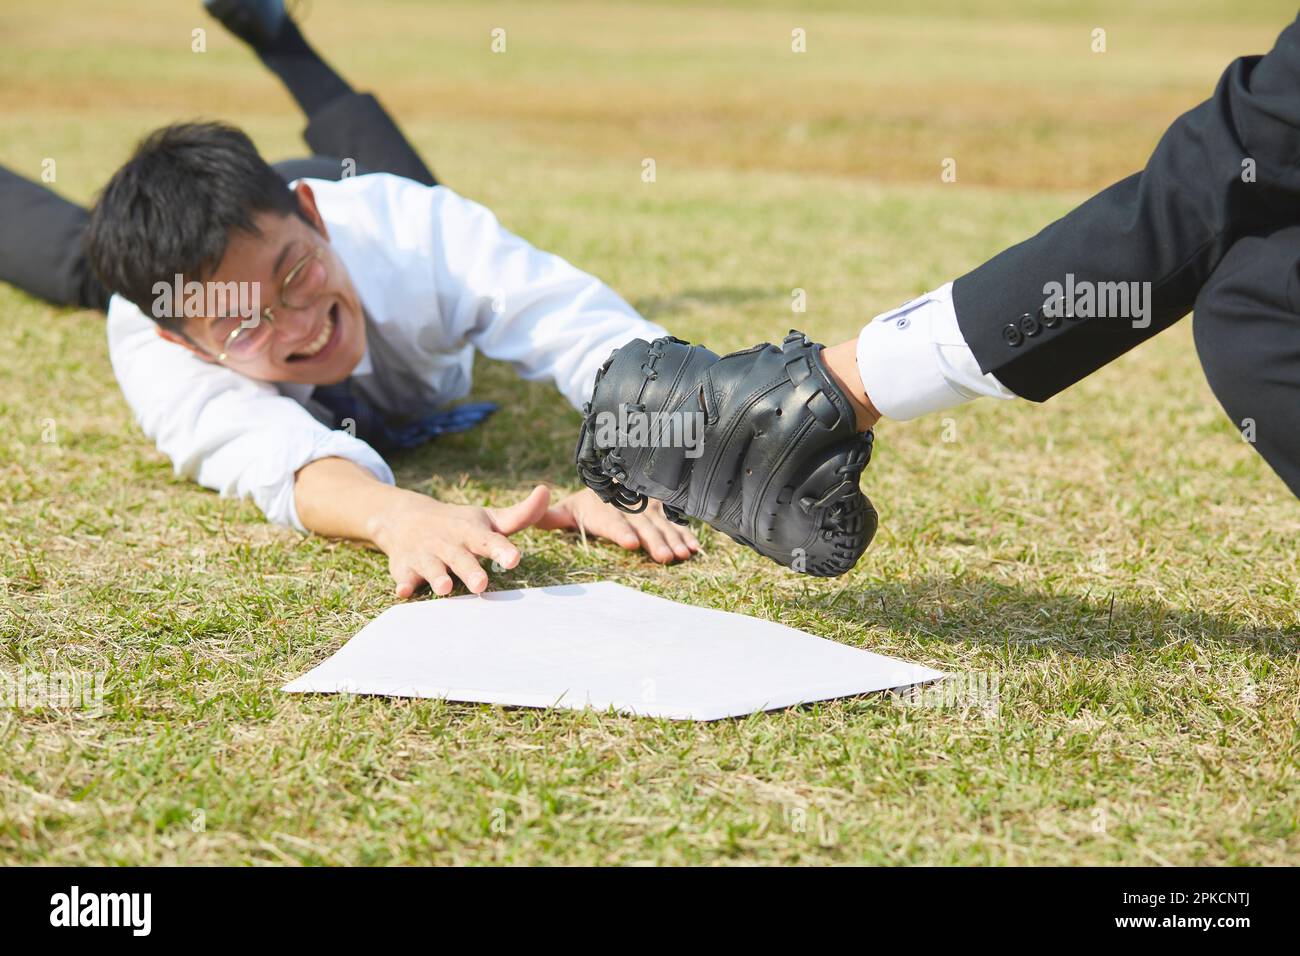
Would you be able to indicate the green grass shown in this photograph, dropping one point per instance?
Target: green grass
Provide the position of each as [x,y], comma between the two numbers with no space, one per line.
[1118,561]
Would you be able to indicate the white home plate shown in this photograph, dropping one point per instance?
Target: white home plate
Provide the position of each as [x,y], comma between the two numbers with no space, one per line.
[599,645]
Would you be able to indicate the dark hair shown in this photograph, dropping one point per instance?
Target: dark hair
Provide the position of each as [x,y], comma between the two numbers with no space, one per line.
[172,207]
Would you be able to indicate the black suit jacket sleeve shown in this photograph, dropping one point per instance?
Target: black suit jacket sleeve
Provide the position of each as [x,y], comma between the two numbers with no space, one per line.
[1168,225]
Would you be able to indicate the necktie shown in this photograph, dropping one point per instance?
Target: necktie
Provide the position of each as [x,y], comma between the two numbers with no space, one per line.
[346,405]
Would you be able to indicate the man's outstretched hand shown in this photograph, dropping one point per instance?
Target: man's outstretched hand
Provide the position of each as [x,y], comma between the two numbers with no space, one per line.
[650,530]
[430,540]
[433,542]
[427,541]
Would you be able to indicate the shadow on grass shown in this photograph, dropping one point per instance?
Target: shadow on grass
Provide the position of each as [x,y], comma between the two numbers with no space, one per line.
[978,610]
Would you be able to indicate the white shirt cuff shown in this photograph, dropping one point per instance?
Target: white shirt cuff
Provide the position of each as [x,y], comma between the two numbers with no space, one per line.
[277,500]
[914,360]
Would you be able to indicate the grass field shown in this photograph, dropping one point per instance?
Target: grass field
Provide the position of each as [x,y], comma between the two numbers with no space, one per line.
[1117,563]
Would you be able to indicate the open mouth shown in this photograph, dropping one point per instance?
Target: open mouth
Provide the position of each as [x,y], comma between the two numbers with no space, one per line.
[324,342]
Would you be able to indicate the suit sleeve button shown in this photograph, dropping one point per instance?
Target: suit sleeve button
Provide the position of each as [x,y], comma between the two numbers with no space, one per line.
[1050,318]
[1029,324]
[1012,335]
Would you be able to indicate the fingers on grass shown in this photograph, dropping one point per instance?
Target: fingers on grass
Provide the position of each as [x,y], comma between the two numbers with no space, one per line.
[466,567]
[497,547]
[614,526]
[431,571]
[407,579]
[435,572]
[655,543]
[675,535]
[689,536]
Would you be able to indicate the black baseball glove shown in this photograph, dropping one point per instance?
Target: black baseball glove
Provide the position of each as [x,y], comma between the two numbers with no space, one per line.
[761,444]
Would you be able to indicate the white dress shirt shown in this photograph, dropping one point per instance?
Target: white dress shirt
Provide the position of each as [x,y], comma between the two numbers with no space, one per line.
[914,360]
[438,278]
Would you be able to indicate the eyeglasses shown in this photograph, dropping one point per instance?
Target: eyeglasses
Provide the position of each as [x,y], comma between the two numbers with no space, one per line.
[244,338]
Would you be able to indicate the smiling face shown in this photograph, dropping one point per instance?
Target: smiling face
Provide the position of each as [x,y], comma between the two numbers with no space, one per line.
[318,343]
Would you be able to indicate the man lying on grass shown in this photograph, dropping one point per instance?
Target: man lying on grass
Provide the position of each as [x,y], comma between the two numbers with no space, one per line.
[348,313]
[277,329]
